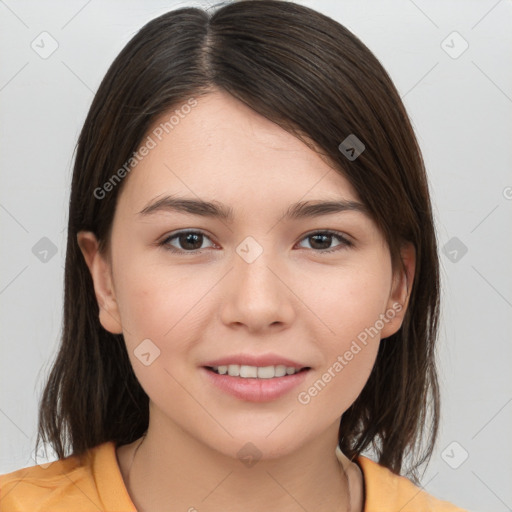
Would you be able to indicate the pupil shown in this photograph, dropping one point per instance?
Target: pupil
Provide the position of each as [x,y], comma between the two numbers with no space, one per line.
[189,238]
[324,237]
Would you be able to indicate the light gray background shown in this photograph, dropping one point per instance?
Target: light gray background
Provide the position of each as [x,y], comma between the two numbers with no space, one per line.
[461,109]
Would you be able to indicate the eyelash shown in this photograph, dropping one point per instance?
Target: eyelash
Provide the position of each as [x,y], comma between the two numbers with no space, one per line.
[344,242]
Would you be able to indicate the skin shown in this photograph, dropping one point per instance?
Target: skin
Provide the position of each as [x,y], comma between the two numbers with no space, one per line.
[292,301]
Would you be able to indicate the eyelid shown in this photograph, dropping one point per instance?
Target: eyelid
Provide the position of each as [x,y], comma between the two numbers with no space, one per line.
[173,234]
[344,238]
[345,241]
[334,232]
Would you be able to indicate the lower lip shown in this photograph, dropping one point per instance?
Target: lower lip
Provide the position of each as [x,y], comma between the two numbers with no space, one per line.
[255,390]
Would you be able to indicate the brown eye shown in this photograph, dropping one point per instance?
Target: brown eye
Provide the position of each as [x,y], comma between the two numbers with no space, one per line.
[192,241]
[321,241]
[187,241]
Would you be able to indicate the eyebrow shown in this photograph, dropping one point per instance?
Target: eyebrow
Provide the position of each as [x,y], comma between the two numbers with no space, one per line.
[215,209]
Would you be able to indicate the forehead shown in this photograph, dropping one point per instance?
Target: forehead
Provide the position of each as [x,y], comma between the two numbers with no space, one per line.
[223,149]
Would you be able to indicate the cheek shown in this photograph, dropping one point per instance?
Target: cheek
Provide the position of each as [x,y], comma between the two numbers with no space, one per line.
[352,299]
[351,304]
[348,356]
[153,302]
[157,310]
[331,390]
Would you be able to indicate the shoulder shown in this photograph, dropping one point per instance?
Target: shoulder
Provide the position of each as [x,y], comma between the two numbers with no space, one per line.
[69,484]
[387,492]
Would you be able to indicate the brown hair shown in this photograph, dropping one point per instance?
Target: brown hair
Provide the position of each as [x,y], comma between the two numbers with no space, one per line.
[314,78]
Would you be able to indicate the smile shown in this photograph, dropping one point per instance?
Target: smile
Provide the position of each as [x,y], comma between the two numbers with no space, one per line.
[255,372]
[255,383]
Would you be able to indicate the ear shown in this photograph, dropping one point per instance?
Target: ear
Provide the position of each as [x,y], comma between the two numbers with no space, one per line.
[101,273]
[400,291]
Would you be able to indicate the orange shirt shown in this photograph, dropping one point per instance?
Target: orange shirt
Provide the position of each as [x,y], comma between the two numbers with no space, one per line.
[93,482]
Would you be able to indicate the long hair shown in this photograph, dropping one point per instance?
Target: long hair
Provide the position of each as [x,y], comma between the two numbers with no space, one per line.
[314,78]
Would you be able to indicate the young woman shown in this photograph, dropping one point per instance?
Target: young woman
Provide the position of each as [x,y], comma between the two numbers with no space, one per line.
[251,283]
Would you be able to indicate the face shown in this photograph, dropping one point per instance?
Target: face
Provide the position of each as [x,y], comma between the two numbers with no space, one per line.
[189,290]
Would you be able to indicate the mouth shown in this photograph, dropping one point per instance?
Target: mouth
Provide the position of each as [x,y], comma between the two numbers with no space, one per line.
[256,372]
[255,383]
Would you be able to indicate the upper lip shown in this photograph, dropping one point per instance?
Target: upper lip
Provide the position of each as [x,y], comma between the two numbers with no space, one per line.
[250,360]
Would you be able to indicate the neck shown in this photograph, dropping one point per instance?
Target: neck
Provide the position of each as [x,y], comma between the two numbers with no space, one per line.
[189,475]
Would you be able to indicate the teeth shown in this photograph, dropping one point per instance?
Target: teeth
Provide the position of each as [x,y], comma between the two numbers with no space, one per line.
[259,372]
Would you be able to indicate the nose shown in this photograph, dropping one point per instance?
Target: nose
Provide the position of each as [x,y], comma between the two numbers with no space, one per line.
[257,294]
